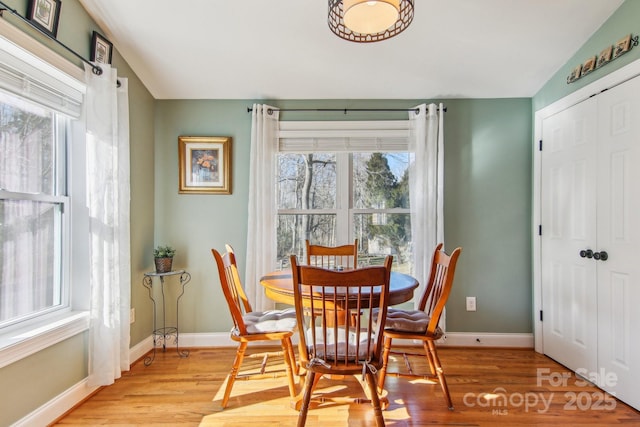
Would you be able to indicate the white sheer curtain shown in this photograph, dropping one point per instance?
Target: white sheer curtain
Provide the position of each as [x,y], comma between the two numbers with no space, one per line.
[261,236]
[426,184]
[107,139]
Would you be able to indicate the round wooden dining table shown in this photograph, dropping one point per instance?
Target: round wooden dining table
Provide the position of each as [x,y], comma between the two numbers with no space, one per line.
[278,286]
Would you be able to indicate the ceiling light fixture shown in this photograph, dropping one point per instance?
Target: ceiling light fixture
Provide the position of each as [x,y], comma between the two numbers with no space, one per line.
[366,21]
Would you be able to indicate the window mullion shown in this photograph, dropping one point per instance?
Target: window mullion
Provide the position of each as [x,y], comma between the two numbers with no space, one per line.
[343,192]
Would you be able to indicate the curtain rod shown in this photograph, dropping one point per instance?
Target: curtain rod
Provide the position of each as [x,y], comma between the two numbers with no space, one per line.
[95,68]
[345,110]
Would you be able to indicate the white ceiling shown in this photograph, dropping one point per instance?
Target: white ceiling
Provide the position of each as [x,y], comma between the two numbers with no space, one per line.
[283,49]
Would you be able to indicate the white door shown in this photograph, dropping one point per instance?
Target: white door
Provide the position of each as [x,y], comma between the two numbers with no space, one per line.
[619,236]
[568,217]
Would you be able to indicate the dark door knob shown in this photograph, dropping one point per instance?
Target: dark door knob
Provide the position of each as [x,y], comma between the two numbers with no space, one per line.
[586,253]
[602,256]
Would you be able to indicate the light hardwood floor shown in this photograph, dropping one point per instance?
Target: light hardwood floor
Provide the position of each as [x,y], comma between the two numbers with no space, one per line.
[530,391]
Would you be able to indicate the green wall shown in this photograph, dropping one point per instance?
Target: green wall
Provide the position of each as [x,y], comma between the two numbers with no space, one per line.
[623,21]
[488,213]
[487,203]
[35,380]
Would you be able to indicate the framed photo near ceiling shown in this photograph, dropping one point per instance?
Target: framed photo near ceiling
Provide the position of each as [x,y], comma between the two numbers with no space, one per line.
[588,66]
[45,14]
[604,57]
[575,74]
[101,49]
[622,46]
[204,164]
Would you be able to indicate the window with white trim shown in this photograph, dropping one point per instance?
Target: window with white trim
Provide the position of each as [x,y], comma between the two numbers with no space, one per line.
[342,181]
[32,205]
[42,298]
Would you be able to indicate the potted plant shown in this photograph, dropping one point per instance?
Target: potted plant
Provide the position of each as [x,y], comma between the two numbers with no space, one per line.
[163,257]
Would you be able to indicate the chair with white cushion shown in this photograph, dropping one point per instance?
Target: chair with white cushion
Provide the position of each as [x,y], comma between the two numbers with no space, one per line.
[328,345]
[250,326]
[422,324]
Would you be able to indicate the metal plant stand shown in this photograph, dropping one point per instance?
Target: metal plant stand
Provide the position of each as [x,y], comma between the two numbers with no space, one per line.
[165,332]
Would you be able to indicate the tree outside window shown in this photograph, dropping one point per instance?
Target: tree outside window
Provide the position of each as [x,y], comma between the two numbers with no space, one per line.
[377,211]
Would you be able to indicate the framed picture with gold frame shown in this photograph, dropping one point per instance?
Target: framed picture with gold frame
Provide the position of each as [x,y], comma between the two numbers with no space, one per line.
[204,164]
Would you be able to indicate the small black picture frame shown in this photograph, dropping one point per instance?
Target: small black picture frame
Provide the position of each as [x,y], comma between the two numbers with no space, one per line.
[45,14]
[101,49]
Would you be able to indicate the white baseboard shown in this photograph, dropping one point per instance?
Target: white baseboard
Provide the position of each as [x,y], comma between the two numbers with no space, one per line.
[140,349]
[486,339]
[454,339]
[57,406]
[215,339]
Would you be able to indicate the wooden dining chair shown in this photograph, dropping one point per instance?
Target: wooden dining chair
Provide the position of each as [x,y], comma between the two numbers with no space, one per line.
[328,346]
[345,256]
[422,324]
[250,326]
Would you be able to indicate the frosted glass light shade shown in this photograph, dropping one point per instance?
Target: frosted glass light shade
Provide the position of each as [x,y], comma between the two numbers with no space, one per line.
[370,16]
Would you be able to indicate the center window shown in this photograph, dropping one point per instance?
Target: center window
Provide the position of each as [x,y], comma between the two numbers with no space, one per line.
[333,198]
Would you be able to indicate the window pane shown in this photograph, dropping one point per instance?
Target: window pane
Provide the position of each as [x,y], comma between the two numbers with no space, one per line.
[307,181]
[382,234]
[29,257]
[27,145]
[294,229]
[380,180]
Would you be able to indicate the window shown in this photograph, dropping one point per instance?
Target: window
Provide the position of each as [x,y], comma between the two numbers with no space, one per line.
[43,300]
[32,205]
[333,197]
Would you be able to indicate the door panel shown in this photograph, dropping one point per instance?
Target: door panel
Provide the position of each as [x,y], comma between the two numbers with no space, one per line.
[568,216]
[619,235]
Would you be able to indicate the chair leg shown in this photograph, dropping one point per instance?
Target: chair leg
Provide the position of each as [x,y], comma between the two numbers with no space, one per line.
[294,363]
[287,349]
[429,356]
[231,377]
[375,399]
[297,402]
[306,397]
[440,372]
[382,373]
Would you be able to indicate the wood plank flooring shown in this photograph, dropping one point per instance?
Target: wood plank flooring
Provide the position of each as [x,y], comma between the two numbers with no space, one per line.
[528,389]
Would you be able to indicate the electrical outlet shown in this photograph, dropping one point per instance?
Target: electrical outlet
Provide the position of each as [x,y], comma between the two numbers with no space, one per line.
[471,303]
[132,315]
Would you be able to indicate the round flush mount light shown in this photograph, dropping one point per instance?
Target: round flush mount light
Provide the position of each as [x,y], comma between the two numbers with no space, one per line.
[367,21]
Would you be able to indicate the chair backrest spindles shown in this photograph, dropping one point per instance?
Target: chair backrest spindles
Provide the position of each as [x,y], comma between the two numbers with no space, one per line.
[325,301]
[439,285]
[232,288]
[345,256]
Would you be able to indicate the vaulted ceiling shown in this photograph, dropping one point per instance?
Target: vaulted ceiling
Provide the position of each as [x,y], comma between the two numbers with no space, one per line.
[283,49]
